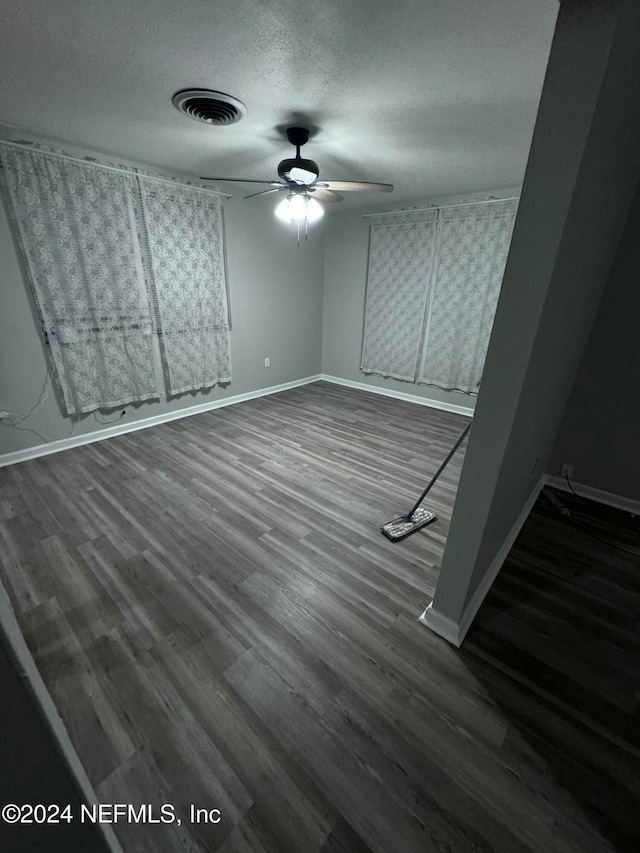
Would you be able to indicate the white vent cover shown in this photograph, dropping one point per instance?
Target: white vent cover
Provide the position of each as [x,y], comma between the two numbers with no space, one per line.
[208,106]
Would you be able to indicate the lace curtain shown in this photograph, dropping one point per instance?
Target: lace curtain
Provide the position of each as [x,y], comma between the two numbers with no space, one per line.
[401,251]
[113,258]
[78,231]
[186,253]
[473,244]
[432,288]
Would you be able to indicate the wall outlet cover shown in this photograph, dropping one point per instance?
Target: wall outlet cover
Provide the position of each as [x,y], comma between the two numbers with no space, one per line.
[566,470]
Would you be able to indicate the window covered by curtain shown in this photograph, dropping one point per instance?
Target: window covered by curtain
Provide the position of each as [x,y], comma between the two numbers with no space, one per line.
[113,258]
[473,244]
[78,231]
[185,244]
[432,289]
[401,252]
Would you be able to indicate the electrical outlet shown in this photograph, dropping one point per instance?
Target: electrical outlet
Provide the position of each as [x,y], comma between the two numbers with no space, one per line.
[267,362]
[566,470]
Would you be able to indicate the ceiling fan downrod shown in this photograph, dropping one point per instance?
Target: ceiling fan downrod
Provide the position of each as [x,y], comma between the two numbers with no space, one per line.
[298,136]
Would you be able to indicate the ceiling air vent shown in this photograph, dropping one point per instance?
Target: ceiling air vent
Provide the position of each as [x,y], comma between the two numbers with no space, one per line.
[208,106]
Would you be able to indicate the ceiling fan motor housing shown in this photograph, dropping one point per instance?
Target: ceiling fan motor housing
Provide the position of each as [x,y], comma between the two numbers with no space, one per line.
[297,136]
[285,167]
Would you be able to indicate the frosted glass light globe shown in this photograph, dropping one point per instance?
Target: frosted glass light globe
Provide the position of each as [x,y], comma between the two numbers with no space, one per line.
[314,211]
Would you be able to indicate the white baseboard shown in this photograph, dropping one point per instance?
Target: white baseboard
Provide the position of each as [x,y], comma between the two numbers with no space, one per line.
[442,625]
[598,495]
[143,423]
[27,667]
[455,631]
[399,395]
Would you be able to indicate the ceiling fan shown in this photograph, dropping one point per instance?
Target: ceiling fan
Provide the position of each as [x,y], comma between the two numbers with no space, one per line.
[299,179]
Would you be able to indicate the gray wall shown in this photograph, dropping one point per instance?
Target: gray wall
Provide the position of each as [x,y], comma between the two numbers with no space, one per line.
[345,269]
[600,430]
[582,171]
[276,306]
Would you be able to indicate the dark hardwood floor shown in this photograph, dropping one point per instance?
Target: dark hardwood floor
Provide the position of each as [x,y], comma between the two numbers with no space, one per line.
[556,648]
[33,771]
[220,623]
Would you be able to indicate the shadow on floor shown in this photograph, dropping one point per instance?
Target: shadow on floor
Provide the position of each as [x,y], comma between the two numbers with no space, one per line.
[562,622]
[35,772]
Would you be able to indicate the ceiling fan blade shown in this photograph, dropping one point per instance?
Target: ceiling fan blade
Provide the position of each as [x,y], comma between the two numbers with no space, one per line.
[302,176]
[266,192]
[355,186]
[324,194]
[242,181]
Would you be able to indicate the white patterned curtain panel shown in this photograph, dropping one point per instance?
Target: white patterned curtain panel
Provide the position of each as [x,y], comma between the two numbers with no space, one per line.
[473,244]
[186,253]
[401,254]
[77,227]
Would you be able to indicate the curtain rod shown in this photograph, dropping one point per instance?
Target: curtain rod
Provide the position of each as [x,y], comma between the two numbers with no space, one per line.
[127,170]
[440,206]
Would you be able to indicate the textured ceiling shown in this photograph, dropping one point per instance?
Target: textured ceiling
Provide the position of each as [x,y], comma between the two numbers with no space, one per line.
[435,96]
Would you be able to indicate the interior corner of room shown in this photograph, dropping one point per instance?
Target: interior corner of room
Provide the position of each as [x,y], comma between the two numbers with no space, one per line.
[300,312]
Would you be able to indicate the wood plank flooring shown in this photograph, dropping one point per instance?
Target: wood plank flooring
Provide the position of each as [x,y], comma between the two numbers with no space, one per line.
[556,647]
[32,770]
[220,623]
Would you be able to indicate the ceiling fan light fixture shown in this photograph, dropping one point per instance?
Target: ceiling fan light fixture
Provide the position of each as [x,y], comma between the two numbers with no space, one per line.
[282,210]
[298,207]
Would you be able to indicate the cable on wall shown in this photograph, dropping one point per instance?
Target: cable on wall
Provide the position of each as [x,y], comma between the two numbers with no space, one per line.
[7,418]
